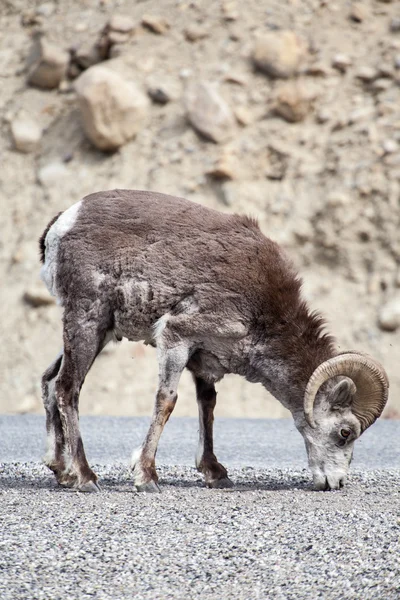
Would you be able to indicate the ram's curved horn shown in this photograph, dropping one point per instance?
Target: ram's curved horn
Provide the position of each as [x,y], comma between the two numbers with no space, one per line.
[371,385]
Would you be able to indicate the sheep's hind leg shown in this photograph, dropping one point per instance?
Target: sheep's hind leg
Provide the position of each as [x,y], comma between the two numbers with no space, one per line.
[83,340]
[54,458]
[172,361]
[215,474]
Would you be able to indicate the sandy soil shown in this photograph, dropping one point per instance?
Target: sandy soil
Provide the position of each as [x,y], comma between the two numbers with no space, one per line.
[327,187]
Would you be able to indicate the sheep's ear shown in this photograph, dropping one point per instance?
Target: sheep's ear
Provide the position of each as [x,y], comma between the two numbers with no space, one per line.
[342,394]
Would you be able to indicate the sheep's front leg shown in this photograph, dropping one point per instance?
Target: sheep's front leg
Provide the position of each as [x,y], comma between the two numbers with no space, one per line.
[215,474]
[171,361]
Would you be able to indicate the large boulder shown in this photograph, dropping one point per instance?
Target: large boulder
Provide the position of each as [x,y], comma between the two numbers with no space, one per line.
[279,53]
[112,108]
[208,112]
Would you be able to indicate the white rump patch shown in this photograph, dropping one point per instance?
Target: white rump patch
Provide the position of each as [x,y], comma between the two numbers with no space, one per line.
[59,228]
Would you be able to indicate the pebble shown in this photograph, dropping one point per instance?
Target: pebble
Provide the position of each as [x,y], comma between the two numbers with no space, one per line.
[381,85]
[225,167]
[323,115]
[47,64]
[341,62]
[292,102]
[208,112]
[358,12]
[366,74]
[389,315]
[52,173]
[243,115]
[155,24]
[38,296]
[121,23]
[87,54]
[195,32]
[112,109]
[46,9]
[26,134]
[390,146]
[159,95]
[395,25]
[279,53]
[230,10]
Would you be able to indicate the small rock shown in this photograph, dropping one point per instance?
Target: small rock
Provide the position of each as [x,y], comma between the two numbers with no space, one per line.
[386,70]
[358,12]
[381,85]
[121,23]
[304,231]
[341,62]
[362,113]
[158,95]
[229,10]
[323,115]
[113,109]
[319,69]
[237,78]
[81,27]
[117,50]
[47,64]
[395,25]
[185,73]
[155,24]
[292,102]
[243,115]
[279,53]
[195,32]
[366,74]
[278,158]
[46,9]
[389,315]
[30,18]
[86,55]
[73,71]
[52,173]
[397,61]
[208,112]
[390,146]
[26,134]
[225,167]
[38,296]
[117,37]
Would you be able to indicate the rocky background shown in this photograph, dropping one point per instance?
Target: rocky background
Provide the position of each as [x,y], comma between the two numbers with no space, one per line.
[288,110]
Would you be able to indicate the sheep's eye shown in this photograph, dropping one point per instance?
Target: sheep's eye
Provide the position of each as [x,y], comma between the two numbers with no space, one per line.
[344,433]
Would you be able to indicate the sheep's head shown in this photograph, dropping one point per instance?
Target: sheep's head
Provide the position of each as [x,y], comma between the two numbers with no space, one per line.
[336,415]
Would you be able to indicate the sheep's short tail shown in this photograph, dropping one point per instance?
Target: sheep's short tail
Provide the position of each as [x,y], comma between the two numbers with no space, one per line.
[42,245]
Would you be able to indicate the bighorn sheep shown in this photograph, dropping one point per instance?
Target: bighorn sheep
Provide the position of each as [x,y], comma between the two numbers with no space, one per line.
[214,295]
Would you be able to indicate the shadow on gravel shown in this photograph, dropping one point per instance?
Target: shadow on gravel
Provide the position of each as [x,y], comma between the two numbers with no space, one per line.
[118,486]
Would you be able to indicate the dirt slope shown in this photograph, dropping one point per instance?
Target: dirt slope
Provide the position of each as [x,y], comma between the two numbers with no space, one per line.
[327,186]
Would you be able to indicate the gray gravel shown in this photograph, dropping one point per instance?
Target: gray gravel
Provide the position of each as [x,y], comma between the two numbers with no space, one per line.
[270,537]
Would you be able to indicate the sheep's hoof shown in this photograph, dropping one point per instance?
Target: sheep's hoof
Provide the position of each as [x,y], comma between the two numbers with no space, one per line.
[223,483]
[150,486]
[89,487]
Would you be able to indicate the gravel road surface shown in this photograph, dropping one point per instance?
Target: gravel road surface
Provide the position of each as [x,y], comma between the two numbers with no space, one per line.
[270,537]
